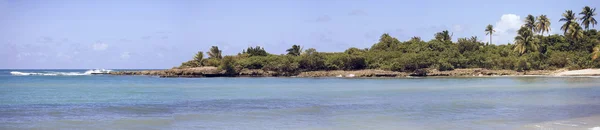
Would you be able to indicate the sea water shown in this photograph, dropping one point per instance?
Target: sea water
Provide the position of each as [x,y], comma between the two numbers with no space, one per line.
[147,102]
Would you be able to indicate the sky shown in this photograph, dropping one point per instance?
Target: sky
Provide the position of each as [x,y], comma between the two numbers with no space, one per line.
[160,34]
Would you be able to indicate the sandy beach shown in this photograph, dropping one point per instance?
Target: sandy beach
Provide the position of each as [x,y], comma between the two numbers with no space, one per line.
[583,72]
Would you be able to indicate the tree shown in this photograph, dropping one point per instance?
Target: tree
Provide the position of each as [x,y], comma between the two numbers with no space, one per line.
[311,60]
[596,52]
[214,52]
[443,36]
[489,30]
[525,41]
[543,24]
[415,39]
[198,58]
[530,22]
[295,50]
[569,18]
[575,31]
[256,51]
[386,43]
[588,17]
[310,51]
[227,64]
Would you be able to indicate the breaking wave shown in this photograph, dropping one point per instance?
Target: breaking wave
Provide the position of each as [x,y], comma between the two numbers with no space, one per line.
[53,73]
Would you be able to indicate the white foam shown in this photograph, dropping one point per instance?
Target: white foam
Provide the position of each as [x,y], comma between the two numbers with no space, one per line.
[97,71]
[595,128]
[50,73]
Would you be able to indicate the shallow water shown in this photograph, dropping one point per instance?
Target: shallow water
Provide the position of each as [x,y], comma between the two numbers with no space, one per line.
[142,102]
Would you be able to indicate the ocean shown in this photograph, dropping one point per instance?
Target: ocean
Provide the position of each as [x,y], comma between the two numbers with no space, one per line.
[72,99]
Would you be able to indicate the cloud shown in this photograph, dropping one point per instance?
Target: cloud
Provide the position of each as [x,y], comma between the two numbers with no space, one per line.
[458,28]
[124,40]
[125,55]
[324,18]
[357,12]
[146,37]
[45,40]
[100,46]
[63,56]
[39,56]
[506,28]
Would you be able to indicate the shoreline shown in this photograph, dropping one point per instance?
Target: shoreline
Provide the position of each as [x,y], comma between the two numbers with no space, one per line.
[200,72]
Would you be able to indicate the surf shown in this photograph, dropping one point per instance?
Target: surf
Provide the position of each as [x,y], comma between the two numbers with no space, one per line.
[54,73]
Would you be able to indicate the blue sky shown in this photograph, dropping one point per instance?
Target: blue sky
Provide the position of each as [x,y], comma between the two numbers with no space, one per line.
[62,34]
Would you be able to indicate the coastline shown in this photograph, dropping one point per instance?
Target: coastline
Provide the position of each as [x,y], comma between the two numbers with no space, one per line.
[199,72]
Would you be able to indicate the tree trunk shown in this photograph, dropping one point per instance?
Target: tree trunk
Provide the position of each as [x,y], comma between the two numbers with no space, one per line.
[490,38]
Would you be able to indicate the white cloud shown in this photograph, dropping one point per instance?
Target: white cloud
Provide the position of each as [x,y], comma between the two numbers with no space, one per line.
[100,46]
[125,55]
[552,32]
[506,29]
[458,28]
[63,56]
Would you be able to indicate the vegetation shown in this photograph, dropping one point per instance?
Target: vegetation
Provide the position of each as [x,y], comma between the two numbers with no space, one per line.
[489,30]
[588,17]
[295,50]
[578,47]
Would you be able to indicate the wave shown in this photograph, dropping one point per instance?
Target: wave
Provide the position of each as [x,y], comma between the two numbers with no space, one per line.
[52,73]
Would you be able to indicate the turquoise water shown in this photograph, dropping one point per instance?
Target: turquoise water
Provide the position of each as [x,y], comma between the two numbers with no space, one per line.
[144,102]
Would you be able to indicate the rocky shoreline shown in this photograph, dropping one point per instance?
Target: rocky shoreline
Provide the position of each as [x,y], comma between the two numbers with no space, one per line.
[215,72]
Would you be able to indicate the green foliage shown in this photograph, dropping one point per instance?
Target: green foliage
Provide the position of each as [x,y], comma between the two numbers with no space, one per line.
[227,64]
[489,30]
[386,43]
[588,17]
[577,48]
[443,36]
[188,64]
[295,50]
[543,24]
[530,23]
[569,18]
[214,53]
[256,51]
[311,61]
[211,62]
[525,41]
[287,64]
[198,59]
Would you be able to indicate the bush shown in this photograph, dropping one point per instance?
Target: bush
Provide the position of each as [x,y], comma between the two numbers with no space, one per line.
[282,64]
[211,62]
[311,62]
[227,64]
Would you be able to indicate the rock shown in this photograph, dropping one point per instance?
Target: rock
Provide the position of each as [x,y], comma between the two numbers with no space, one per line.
[419,72]
[350,75]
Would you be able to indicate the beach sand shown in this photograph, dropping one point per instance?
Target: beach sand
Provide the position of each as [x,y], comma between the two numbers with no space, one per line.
[583,72]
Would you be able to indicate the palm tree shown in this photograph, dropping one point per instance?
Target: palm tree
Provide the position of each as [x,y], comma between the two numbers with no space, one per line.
[215,52]
[530,22]
[543,24]
[295,50]
[588,17]
[443,36]
[525,41]
[489,30]
[596,52]
[575,31]
[198,58]
[569,18]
